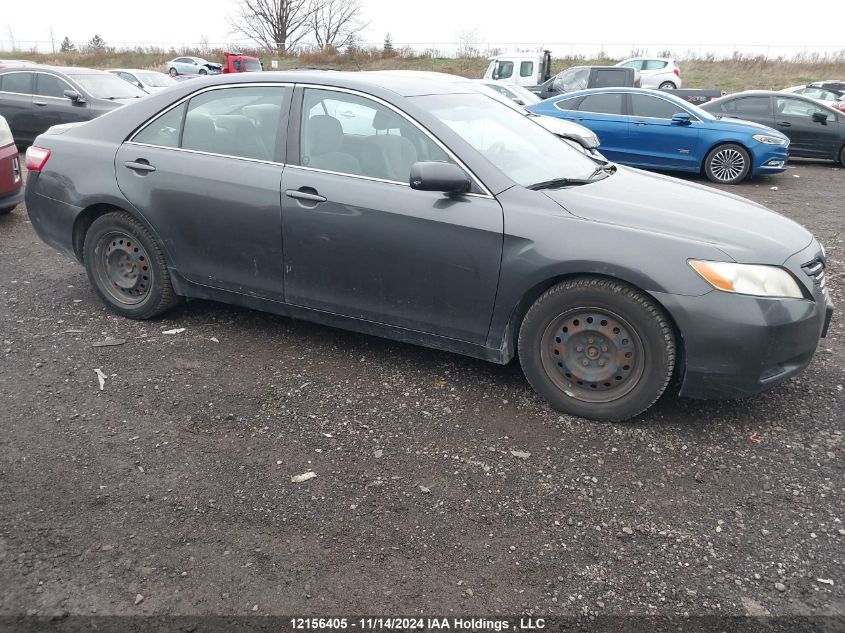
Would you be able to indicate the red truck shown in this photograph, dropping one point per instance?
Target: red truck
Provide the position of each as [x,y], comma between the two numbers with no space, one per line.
[237,63]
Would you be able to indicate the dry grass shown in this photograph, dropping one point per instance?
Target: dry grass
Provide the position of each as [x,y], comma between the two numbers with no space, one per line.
[737,73]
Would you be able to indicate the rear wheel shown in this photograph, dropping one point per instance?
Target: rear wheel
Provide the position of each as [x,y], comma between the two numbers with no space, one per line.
[127,268]
[727,164]
[203,71]
[667,85]
[173,72]
[842,156]
[597,348]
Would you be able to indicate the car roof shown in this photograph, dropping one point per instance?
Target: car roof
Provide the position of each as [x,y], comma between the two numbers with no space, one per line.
[769,93]
[135,70]
[66,70]
[403,83]
[623,90]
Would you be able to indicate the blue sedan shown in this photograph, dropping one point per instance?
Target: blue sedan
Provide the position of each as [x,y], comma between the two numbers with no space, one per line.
[657,130]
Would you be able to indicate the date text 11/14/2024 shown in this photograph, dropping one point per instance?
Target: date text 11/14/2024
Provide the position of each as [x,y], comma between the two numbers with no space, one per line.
[418,623]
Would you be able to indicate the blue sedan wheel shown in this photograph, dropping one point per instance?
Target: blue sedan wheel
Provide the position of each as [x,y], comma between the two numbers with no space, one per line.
[727,164]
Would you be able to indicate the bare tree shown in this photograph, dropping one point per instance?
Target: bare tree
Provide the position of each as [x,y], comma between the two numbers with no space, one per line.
[275,24]
[336,23]
[11,33]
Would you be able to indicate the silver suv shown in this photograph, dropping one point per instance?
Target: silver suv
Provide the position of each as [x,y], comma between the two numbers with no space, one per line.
[655,72]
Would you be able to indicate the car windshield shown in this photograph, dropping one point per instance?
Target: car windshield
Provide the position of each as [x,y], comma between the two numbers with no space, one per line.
[107,86]
[521,149]
[156,80]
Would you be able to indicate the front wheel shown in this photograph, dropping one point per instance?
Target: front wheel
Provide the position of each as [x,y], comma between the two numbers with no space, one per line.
[842,156]
[597,348]
[6,210]
[203,71]
[173,72]
[126,266]
[667,85]
[727,164]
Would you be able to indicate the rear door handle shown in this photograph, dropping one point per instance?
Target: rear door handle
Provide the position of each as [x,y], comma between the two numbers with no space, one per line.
[640,123]
[139,166]
[785,124]
[39,103]
[304,195]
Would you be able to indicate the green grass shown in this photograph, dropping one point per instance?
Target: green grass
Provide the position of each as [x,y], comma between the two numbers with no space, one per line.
[736,73]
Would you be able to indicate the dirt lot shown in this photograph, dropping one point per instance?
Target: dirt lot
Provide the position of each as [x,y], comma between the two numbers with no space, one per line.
[173,482]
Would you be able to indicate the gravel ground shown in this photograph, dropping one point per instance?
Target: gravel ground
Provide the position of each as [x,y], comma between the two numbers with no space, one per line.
[443,484]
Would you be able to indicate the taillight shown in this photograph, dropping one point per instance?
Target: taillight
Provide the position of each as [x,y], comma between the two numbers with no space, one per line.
[36,158]
[677,72]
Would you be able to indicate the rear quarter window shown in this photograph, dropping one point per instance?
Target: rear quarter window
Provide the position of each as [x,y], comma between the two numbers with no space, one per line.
[568,104]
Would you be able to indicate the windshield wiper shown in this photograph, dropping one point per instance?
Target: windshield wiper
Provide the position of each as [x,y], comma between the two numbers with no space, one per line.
[556,183]
[608,168]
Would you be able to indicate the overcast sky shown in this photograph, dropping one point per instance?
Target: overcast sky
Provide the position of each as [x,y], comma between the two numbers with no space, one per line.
[647,22]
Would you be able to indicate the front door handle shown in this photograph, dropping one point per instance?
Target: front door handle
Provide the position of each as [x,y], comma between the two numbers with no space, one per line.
[785,124]
[304,195]
[139,165]
[640,123]
[39,103]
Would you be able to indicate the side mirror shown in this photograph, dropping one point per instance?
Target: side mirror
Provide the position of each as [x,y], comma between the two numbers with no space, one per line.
[139,84]
[518,101]
[820,117]
[437,176]
[681,118]
[74,96]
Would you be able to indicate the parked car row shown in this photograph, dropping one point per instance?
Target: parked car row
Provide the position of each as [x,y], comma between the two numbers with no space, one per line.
[728,139]
[432,212]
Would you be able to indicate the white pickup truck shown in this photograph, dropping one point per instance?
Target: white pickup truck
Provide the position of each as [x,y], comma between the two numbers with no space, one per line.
[522,69]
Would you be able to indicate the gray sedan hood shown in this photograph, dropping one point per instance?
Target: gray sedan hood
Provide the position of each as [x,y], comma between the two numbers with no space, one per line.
[744,230]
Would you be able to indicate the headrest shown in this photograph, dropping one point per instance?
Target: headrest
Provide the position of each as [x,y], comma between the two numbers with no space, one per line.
[325,134]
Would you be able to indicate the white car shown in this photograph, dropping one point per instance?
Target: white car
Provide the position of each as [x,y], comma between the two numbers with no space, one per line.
[827,97]
[655,72]
[147,80]
[517,94]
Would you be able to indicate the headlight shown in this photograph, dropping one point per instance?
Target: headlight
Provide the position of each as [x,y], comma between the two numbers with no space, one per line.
[770,140]
[748,279]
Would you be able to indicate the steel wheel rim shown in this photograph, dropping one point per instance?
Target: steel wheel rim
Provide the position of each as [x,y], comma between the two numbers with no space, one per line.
[592,355]
[123,268]
[727,164]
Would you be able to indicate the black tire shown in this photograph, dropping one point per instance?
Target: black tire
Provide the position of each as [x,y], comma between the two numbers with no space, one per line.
[667,85]
[842,156]
[597,348]
[173,72]
[7,210]
[203,71]
[127,268]
[727,164]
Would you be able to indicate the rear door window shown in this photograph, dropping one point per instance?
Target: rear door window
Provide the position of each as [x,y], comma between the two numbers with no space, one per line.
[20,83]
[241,122]
[750,106]
[608,103]
[654,64]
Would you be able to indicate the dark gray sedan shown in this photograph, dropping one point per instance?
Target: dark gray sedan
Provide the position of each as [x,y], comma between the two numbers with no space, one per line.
[34,98]
[425,212]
